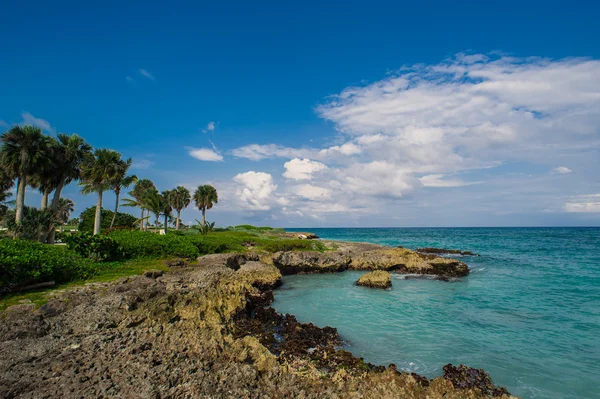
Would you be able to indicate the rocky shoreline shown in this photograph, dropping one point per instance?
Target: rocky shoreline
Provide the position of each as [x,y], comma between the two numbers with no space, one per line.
[206,330]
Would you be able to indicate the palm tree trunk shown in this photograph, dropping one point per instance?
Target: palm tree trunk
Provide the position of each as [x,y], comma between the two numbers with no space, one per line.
[45,196]
[112,222]
[98,219]
[20,199]
[56,198]
[166,223]
[178,218]
[142,220]
[203,216]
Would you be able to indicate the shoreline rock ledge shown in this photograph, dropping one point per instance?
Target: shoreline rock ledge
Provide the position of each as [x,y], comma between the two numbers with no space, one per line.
[376,279]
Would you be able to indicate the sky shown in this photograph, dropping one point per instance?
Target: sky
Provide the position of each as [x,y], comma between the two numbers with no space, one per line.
[325,114]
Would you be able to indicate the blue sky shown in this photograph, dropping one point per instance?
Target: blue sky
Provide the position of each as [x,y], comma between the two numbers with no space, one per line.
[337,114]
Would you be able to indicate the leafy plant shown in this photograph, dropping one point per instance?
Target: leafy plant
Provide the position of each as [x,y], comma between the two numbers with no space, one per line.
[138,244]
[95,247]
[33,223]
[204,228]
[86,219]
[28,262]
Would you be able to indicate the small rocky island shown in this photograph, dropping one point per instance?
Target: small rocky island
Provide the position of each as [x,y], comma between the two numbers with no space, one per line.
[205,329]
[376,279]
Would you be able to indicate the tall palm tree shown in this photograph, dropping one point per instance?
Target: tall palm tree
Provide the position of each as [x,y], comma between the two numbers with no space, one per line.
[23,149]
[120,181]
[179,199]
[138,193]
[97,173]
[44,178]
[205,197]
[70,153]
[158,204]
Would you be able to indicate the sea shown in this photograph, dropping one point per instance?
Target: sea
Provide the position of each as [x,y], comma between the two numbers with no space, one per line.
[528,313]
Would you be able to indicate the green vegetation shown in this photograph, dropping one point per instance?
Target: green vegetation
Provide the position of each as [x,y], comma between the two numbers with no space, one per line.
[255,229]
[86,219]
[29,262]
[98,248]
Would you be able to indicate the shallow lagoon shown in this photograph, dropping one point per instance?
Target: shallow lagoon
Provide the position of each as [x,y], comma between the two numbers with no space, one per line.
[529,313]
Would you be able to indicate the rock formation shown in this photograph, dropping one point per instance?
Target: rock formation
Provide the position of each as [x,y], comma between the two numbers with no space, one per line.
[376,279]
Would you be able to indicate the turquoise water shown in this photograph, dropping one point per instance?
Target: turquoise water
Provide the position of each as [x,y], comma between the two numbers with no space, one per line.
[529,312]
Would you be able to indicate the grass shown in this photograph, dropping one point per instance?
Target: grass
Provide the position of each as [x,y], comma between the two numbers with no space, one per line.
[108,272]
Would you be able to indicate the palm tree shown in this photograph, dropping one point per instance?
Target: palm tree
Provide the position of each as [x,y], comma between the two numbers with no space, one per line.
[120,181]
[97,173]
[44,178]
[179,199]
[65,207]
[138,193]
[205,197]
[70,153]
[23,149]
[158,204]
[6,183]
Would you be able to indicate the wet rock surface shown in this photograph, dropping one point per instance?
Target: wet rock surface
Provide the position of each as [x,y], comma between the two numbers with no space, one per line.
[442,251]
[376,279]
[201,331]
[464,377]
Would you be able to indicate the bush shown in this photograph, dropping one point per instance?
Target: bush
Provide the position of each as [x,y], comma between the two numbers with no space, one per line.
[34,221]
[86,219]
[29,262]
[293,245]
[95,247]
[138,244]
[256,229]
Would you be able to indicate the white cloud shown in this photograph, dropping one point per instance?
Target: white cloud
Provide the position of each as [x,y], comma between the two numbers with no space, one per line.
[498,118]
[584,204]
[43,124]
[562,170]
[256,191]
[302,169]
[439,181]
[146,74]
[210,127]
[311,192]
[141,164]
[256,152]
[205,154]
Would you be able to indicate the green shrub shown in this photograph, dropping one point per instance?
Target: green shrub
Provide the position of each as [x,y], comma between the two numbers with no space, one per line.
[34,221]
[28,262]
[96,247]
[137,244]
[255,229]
[87,217]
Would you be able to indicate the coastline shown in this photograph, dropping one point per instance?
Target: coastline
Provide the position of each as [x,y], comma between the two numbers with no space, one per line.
[213,319]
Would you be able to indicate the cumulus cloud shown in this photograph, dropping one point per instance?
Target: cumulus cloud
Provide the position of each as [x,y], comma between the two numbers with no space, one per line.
[43,124]
[256,190]
[205,154]
[562,170]
[146,74]
[302,169]
[584,204]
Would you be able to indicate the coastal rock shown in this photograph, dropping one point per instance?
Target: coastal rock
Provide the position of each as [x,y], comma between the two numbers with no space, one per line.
[202,331]
[463,377]
[296,262]
[442,251]
[376,279]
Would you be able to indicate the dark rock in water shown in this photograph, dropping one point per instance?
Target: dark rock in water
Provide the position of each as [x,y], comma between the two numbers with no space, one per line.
[463,377]
[430,250]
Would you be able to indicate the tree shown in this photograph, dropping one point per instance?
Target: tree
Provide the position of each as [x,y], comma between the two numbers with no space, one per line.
[65,207]
[86,219]
[45,176]
[70,153]
[6,183]
[97,172]
[205,197]
[121,180]
[158,204]
[179,199]
[138,193]
[23,149]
